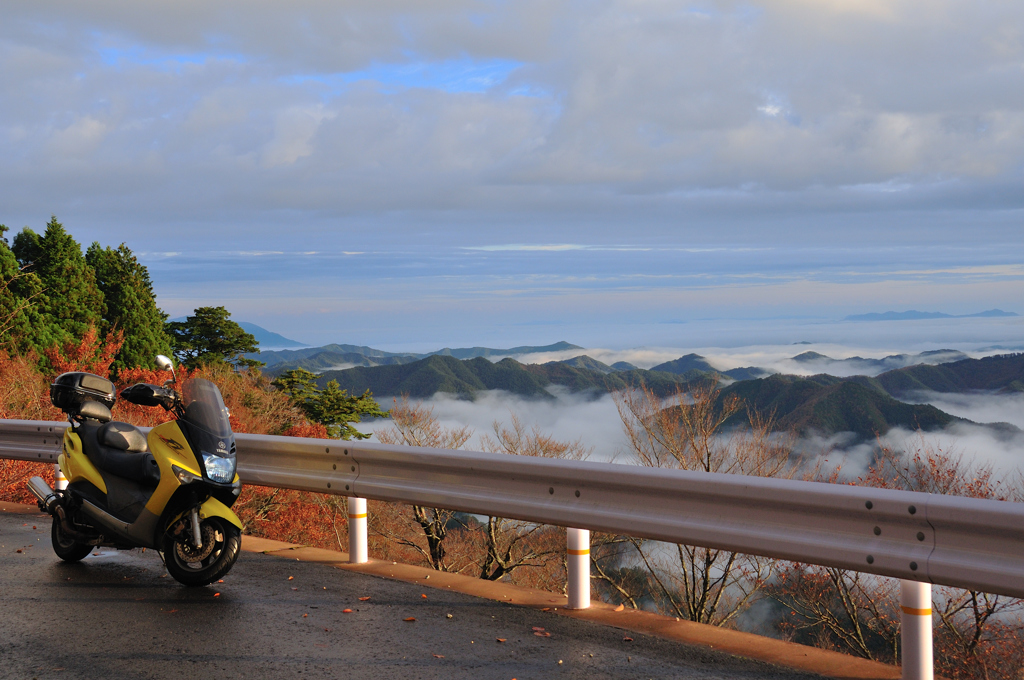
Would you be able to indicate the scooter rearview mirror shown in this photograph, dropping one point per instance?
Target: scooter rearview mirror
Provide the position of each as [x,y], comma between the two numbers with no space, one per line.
[165,364]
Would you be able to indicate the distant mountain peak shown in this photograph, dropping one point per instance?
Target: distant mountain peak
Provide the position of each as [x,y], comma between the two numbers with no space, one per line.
[811,356]
[915,315]
[685,364]
[267,338]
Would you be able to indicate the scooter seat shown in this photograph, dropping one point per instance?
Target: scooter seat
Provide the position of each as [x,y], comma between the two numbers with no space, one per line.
[137,466]
[123,436]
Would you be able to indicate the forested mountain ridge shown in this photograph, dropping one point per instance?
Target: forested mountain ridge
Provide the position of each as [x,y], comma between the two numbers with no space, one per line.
[294,357]
[821,403]
[829,405]
[1000,373]
[464,378]
[334,355]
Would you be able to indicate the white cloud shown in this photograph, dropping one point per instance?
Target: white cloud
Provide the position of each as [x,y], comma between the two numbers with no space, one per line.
[648,98]
[979,407]
[595,422]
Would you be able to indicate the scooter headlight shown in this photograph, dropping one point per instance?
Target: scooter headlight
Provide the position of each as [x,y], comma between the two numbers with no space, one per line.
[218,468]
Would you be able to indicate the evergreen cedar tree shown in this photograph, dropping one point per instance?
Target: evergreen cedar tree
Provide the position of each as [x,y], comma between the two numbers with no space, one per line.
[51,294]
[331,406]
[209,336]
[20,319]
[131,306]
[70,300]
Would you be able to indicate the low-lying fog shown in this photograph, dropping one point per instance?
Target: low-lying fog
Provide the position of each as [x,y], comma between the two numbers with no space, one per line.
[594,420]
[596,423]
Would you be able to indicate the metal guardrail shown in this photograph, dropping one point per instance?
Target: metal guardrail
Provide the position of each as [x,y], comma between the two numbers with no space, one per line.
[948,540]
[35,440]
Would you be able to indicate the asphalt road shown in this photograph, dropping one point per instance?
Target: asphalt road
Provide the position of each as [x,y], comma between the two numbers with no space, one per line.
[118,615]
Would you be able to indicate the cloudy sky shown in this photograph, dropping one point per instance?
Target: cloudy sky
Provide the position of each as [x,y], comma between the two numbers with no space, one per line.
[416,174]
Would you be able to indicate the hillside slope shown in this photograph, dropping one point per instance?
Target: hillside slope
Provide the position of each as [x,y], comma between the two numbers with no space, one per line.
[829,405]
[445,374]
[1002,373]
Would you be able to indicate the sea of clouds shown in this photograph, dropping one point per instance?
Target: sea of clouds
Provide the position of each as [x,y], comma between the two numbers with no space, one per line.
[593,418]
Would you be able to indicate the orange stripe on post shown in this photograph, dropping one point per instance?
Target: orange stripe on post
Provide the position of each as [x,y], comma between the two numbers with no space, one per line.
[916,612]
[357,516]
[585,551]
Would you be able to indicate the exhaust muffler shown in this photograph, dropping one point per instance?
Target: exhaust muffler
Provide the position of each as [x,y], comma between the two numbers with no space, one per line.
[48,499]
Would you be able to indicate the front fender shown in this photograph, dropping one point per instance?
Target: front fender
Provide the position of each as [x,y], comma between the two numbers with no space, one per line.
[214,508]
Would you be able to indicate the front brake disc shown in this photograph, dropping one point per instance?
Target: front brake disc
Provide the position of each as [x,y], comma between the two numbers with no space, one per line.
[188,553]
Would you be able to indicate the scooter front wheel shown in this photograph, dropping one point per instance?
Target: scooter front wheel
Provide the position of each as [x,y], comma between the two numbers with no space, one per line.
[191,566]
[67,548]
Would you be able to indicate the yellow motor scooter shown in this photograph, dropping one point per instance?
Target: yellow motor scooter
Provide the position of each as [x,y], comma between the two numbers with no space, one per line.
[171,490]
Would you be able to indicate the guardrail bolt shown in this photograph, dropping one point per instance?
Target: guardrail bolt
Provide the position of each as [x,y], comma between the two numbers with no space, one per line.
[878,531]
[920,535]
[912,510]
[869,505]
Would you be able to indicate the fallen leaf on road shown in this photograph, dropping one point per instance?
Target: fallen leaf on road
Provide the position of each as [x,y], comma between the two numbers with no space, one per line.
[423,595]
[543,634]
[620,607]
[346,611]
[410,619]
[305,616]
[438,656]
[500,639]
[291,578]
[545,609]
[294,588]
[328,630]
[537,628]
[172,611]
[364,599]
[220,581]
[216,594]
[627,639]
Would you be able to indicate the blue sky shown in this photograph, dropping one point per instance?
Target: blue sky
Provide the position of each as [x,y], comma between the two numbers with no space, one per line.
[473,172]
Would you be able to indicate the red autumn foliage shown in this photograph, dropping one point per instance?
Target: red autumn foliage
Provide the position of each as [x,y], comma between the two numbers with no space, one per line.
[88,354]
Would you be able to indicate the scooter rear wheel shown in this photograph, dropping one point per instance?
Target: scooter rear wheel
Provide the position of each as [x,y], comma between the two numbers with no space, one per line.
[67,548]
[222,541]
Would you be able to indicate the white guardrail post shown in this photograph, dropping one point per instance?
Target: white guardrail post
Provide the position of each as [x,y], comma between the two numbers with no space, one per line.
[59,480]
[578,563]
[357,551]
[916,630]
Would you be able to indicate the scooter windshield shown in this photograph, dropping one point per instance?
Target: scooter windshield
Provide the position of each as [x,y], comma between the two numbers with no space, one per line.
[204,407]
